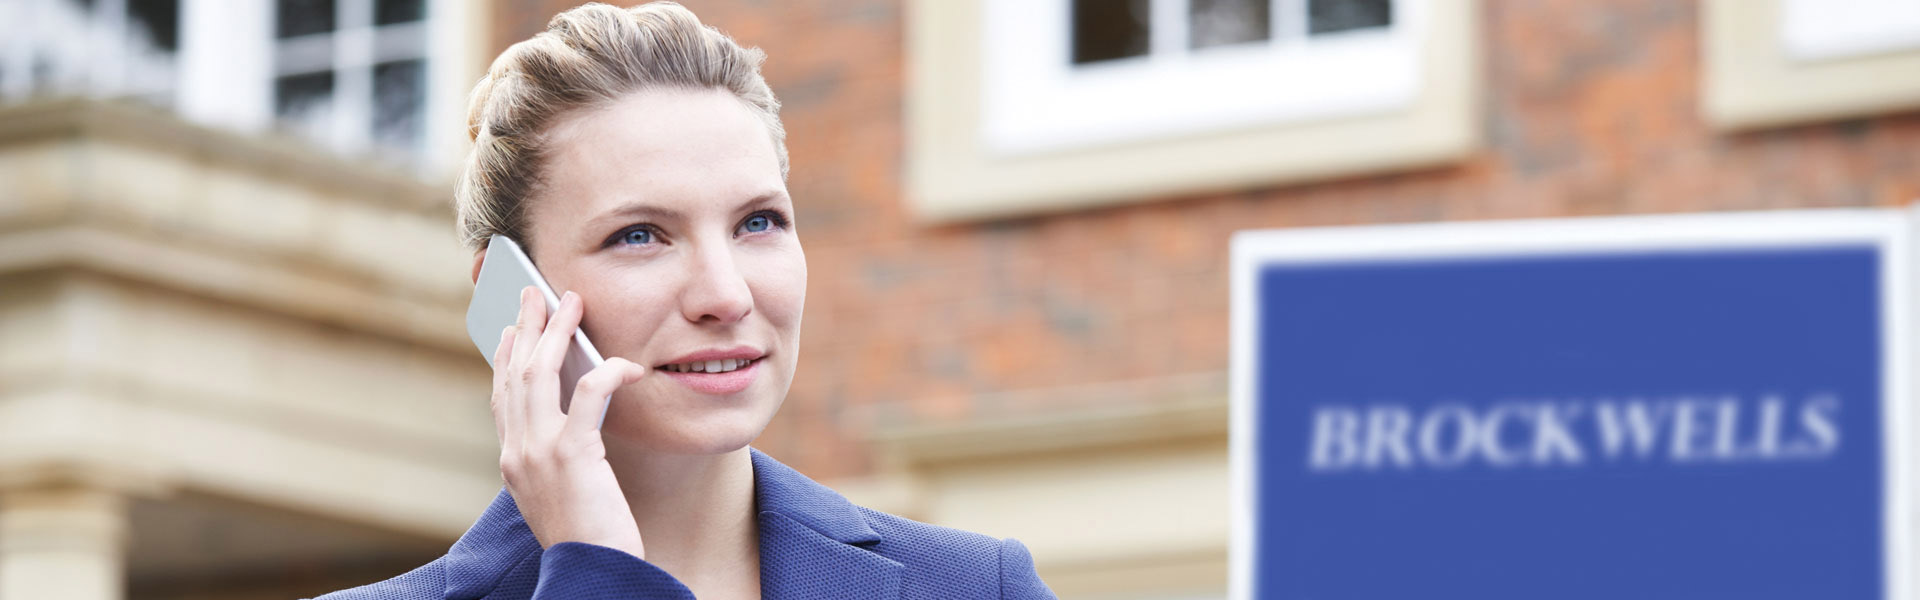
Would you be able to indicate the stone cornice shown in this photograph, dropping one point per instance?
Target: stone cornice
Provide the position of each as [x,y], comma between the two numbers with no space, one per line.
[1163,410]
[274,156]
[321,296]
[136,193]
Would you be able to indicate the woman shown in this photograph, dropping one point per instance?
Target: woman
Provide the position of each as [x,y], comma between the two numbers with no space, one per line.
[638,156]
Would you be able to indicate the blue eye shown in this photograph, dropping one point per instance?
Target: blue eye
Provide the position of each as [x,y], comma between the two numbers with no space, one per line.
[637,237]
[757,223]
[761,221]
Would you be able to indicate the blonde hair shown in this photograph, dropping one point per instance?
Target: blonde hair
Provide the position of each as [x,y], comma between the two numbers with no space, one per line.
[589,56]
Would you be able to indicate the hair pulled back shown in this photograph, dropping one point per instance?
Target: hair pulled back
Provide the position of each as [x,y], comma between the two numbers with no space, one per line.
[589,56]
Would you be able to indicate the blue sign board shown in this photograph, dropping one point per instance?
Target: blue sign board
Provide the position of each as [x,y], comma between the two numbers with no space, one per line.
[1606,411]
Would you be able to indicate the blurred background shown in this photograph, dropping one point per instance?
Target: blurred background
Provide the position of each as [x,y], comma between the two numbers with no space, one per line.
[232,360]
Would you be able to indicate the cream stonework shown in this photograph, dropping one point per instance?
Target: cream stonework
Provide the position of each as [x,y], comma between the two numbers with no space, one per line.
[1123,498]
[231,367]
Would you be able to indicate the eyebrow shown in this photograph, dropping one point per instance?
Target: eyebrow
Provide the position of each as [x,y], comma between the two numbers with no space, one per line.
[636,209]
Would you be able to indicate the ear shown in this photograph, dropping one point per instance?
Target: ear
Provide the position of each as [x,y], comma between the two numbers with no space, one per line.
[479,258]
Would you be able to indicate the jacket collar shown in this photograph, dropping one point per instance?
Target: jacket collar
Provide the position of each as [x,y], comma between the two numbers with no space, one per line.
[804,527]
[779,489]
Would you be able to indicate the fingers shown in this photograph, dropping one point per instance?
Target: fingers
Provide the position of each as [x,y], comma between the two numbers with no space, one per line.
[510,405]
[502,395]
[533,322]
[503,352]
[590,396]
[551,350]
[543,368]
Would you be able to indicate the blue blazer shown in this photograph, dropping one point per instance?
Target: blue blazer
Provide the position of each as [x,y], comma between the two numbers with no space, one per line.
[813,544]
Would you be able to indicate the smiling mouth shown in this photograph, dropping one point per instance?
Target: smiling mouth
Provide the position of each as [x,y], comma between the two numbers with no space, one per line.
[709,366]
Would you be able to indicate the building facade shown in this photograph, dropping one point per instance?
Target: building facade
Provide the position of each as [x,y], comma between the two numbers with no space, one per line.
[217,381]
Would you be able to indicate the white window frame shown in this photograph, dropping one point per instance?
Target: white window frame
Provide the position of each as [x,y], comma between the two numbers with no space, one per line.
[954,173]
[1813,30]
[1035,100]
[228,80]
[1771,63]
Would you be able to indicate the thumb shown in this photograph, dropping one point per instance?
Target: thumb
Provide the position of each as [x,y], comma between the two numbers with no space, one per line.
[631,372]
[592,395]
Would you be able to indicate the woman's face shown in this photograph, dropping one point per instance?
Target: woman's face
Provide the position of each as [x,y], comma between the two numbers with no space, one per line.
[667,213]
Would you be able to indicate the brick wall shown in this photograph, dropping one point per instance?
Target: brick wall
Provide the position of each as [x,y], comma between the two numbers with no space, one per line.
[1591,108]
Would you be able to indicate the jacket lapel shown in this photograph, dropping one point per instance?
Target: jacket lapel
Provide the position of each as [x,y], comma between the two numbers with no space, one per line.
[797,562]
[813,542]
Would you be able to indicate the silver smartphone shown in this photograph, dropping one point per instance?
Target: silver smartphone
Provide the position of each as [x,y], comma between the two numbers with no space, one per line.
[496,305]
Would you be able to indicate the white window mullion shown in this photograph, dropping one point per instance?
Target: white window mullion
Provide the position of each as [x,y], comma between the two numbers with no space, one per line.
[17,21]
[1289,22]
[450,73]
[1167,30]
[352,107]
[353,76]
[226,79]
[106,47]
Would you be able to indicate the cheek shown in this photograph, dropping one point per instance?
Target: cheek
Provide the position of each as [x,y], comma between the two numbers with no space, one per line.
[626,305]
[779,284]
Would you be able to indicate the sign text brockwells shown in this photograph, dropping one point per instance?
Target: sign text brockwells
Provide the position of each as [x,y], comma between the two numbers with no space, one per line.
[1548,432]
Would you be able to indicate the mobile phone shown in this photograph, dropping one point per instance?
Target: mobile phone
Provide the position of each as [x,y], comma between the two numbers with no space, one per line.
[496,304]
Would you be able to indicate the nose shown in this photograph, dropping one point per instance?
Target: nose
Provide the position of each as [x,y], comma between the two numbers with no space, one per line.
[716,290]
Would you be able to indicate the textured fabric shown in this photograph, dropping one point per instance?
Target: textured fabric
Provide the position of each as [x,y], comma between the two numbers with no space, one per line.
[813,544]
[576,570]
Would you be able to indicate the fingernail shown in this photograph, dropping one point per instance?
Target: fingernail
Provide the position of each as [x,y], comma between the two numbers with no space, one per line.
[505,330]
[571,297]
[526,294]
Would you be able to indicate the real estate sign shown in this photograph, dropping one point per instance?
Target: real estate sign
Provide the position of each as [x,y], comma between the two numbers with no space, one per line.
[1701,406]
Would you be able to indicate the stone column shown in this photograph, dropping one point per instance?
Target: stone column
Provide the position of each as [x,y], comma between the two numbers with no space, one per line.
[62,542]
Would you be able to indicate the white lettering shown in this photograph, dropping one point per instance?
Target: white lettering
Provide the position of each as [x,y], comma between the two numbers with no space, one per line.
[1553,435]
[1489,434]
[1683,430]
[1463,444]
[1334,446]
[1387,434]
[1767,444]
[1726,417]
[1548,432]
[1637,422]
[1817,418]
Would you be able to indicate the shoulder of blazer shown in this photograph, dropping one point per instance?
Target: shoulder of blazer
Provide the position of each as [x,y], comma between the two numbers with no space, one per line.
[947,560]
[962,563]
[425,583]
[926,561]
[498,544]
[937,561]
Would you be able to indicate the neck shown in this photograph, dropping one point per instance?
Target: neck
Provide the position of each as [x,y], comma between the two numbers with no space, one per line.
[695,511]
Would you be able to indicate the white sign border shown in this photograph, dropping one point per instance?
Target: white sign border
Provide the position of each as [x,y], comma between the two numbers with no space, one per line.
[1892,230]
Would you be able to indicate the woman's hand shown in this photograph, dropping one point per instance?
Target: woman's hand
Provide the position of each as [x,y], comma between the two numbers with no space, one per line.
[554,463]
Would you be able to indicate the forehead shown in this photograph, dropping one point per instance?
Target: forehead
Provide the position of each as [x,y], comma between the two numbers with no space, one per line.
[679,148]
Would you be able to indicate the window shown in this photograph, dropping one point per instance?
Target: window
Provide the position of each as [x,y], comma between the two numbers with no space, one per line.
[1065,74]
[1024,106]
[1780,62]
[104,48]
[1113,29]
[351,73]
[382,77]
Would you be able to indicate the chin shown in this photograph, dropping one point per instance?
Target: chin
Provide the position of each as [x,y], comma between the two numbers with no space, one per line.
[687,426]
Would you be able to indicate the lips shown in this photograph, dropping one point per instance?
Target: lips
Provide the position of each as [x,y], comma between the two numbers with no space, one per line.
[715,371]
